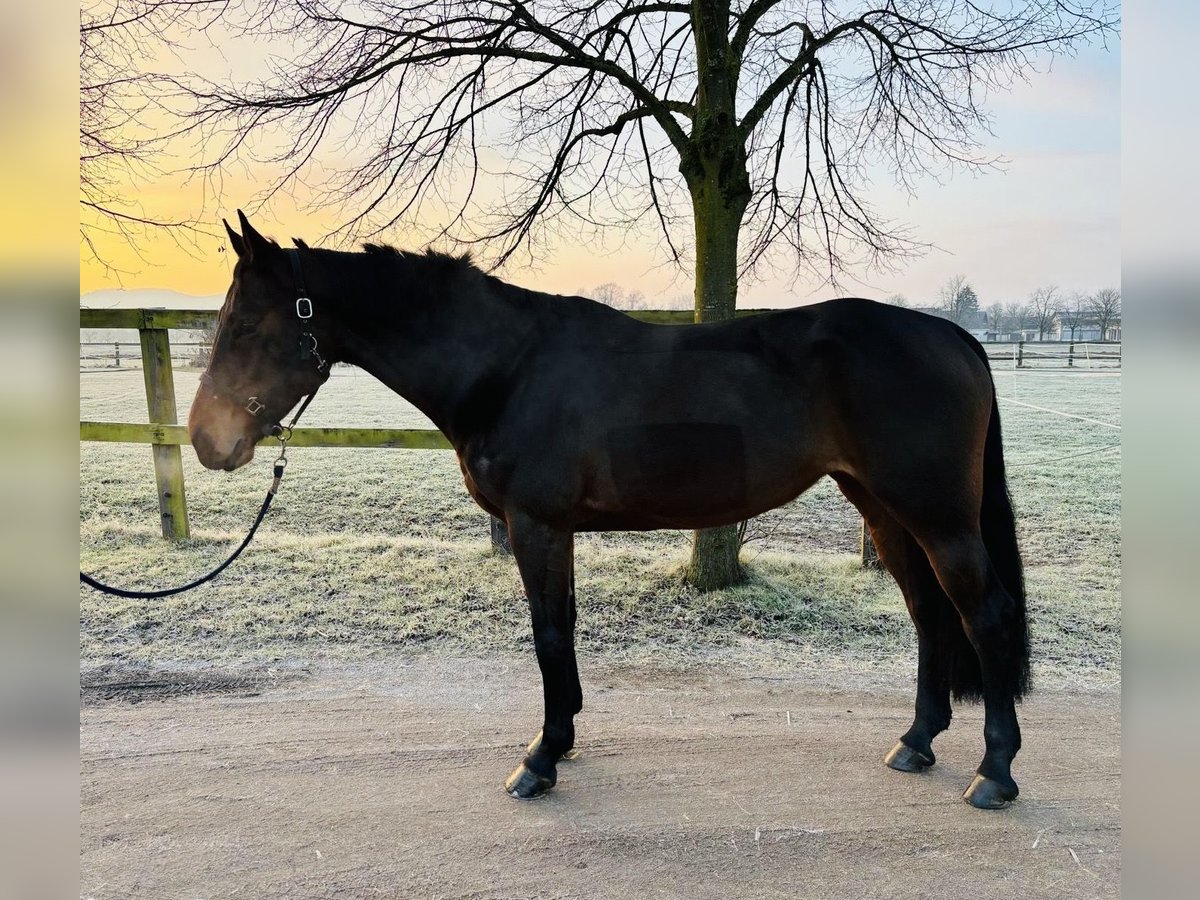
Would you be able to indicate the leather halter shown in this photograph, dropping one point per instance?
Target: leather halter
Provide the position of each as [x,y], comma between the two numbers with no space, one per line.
[308,350]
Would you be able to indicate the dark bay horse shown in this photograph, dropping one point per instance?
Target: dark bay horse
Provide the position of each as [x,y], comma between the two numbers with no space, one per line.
[570,416]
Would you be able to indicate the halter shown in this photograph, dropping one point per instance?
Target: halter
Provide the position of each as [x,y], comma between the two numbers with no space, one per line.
[304,312]
[308,350]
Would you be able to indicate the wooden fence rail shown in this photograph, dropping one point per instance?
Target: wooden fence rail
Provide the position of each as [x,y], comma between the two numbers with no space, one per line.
[110,354]
[157,433]
[1071,354]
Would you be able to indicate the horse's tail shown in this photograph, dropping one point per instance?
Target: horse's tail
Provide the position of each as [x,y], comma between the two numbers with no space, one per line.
[1000,537]
[999,530]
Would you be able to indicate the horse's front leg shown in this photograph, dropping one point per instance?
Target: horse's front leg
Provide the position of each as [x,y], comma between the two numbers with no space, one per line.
[545,558]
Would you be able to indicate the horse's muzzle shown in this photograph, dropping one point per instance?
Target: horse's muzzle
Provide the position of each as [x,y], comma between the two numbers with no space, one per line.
[212,457]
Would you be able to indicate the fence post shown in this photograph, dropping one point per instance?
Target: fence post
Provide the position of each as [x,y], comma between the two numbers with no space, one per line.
[870,556]
[1071,355]
[117,349]
[1020,353]
[500,541]
[160,401]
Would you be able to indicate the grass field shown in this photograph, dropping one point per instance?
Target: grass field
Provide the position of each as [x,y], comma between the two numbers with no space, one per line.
[372,549]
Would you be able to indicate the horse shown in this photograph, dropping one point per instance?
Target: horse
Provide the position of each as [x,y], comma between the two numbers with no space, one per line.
[569,416]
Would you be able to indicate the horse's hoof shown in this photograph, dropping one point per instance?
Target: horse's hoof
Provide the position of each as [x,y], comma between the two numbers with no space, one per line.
[524,784]
[904,758]
[536,744]
[988,793]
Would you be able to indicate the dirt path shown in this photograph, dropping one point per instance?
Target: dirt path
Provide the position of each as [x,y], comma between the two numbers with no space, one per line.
[385,782]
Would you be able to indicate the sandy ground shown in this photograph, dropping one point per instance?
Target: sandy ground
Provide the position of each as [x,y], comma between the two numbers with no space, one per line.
[384,781]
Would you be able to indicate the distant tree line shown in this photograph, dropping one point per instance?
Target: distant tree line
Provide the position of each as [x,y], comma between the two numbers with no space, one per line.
[1049,313]
[612,294]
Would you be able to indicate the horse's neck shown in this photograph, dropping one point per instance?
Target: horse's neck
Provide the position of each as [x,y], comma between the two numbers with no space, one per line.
[439,354]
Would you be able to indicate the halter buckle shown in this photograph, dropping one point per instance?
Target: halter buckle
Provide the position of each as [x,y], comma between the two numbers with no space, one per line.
[304,308]
[254,406]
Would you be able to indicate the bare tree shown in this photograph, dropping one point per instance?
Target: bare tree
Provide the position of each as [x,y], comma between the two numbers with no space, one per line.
[948,292]
[1043,309]
[1073,313]
[741,131]
[996,320]
[958,299]
[1015,316]
[612,294]
[204,338]
[609,293]
[897,300]
[117,95]
[1105,305]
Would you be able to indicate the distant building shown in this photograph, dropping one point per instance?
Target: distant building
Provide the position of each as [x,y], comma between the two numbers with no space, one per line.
[1086,327]
[1013,332]
[1023,326]
[975,322]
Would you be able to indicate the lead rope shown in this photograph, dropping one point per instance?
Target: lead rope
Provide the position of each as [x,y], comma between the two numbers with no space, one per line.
[284,435]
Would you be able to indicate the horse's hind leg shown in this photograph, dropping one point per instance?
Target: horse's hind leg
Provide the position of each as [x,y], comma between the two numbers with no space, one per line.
[936,650]
[990,619]
[930,608]
[545,559]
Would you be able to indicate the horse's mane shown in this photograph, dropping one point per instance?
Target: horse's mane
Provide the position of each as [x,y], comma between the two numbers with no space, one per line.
[463,261]
[433,268]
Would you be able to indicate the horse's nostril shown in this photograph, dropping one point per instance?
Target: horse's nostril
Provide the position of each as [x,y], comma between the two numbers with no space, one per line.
[206,451]
[235,455]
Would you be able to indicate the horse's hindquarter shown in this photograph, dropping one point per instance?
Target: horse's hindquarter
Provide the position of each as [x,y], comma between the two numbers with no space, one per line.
[909,397]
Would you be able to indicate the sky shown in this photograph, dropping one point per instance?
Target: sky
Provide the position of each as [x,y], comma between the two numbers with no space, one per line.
[1052,216]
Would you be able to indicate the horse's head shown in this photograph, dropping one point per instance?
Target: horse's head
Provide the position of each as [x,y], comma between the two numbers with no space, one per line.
[264,357]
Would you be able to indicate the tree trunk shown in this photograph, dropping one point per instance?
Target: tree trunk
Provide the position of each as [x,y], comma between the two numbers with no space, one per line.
[870,554]
[718,209]
[500,542]
[717,176]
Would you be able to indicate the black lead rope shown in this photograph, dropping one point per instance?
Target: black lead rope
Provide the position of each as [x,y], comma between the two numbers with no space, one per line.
[167,592]
[285,434]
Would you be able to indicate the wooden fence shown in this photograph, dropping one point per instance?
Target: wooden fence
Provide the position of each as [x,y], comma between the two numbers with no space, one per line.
[1055,354]
[127,354]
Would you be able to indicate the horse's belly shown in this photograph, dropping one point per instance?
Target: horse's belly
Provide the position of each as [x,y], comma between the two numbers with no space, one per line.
[692,475]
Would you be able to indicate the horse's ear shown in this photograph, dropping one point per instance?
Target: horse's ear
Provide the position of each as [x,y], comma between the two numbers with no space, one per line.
[256,246]
[235,240]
